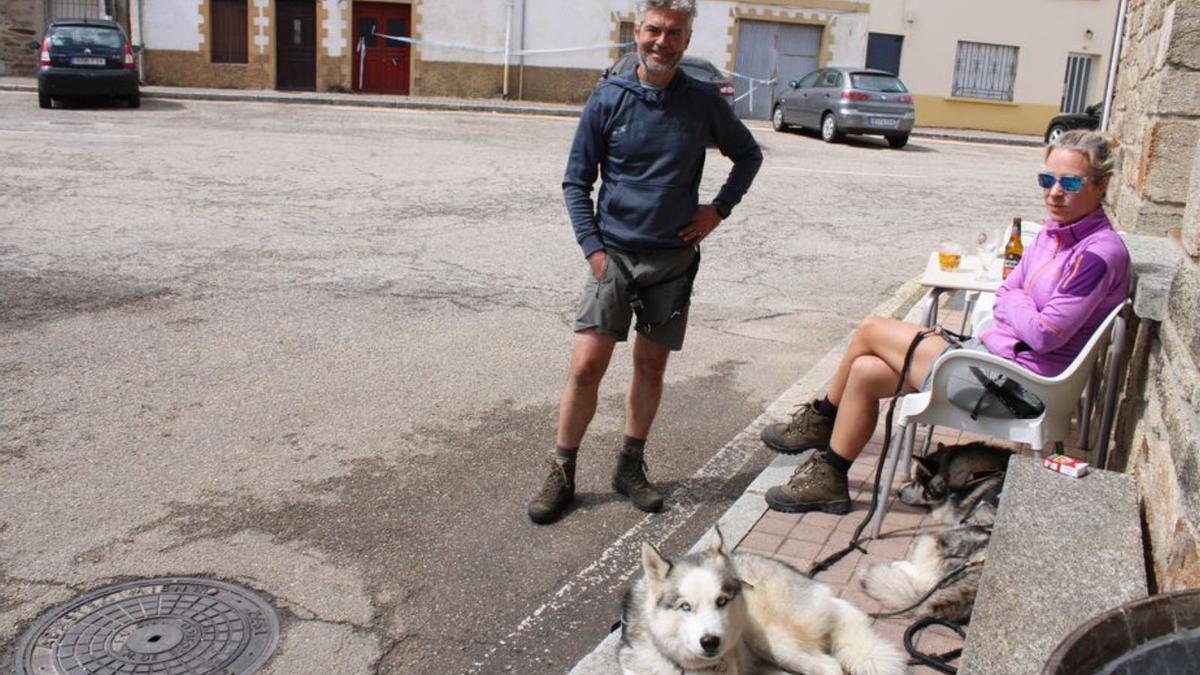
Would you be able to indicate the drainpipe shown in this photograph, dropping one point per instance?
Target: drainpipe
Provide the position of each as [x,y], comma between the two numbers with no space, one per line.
[521,68]
[135,30]
[1113,60]
[508,14]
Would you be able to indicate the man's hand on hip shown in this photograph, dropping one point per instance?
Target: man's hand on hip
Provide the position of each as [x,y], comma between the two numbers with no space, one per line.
[704,221]
[598,261]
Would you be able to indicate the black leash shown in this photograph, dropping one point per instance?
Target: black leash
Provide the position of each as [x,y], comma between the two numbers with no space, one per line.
[829,561]
[945,581]
[938,662]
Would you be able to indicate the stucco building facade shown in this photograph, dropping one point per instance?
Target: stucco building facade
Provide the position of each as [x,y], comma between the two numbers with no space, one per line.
[556,50]
[1007,66]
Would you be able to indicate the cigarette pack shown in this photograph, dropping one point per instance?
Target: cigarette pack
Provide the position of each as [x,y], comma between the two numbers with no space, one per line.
[1066,465]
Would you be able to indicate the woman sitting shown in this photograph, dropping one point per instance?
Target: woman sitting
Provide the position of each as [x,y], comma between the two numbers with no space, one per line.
[1068,281]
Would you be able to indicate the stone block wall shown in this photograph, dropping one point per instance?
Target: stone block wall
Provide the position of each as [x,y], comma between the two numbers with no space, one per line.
[20,23]
[1156,113]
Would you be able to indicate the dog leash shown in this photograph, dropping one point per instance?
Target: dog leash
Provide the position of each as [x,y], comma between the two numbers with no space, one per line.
[945,581]
[938,662]
[829,561]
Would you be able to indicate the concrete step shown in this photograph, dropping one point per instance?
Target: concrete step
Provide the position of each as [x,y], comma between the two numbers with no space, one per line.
[1063,550]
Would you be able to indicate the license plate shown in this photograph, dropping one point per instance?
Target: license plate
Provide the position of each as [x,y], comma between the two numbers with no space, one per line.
[889,122]
[87,60]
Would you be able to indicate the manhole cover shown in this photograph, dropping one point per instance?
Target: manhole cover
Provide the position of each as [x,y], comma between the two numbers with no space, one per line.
[176,626]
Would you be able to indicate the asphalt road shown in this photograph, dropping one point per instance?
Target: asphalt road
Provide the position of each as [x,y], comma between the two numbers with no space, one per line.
[318,350]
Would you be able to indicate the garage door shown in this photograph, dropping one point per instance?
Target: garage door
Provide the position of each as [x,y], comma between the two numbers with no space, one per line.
[768,50]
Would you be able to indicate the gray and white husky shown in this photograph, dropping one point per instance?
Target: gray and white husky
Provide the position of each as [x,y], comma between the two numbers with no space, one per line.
[743,614]
[961,484]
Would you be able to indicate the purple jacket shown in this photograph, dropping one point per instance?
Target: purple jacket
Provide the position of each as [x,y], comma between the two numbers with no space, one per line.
[1067,282]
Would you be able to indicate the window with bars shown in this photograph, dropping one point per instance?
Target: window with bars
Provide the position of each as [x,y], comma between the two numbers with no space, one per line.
[984,70]
[626,37]
[80,9]
[229,31]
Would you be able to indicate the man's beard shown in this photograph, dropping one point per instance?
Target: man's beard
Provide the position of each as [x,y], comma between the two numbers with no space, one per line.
[656,67]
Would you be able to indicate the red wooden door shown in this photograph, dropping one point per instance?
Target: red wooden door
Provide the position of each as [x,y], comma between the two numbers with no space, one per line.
[381,65]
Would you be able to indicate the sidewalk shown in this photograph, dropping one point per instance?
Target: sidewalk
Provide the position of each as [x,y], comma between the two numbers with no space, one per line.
[801,539]
[29,84]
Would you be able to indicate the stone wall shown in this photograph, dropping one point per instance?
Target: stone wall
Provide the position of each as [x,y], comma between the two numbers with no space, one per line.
[20,23]
[1156,112]
[479,80]
[1157,116]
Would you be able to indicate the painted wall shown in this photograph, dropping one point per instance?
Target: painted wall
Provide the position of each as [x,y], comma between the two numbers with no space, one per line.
[172,24]
[1045,31]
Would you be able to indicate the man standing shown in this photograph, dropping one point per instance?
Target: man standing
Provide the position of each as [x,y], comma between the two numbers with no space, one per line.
[645,132]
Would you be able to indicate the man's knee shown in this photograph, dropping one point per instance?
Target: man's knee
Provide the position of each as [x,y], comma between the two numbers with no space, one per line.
[652,366]
[588,370]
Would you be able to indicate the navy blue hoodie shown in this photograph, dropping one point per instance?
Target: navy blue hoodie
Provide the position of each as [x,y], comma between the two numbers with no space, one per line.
[649,146]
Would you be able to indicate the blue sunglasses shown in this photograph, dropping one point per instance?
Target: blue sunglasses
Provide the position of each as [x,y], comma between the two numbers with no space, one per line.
[1070,184]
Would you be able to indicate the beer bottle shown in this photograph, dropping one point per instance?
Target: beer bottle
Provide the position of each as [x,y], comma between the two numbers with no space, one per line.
[1013,249]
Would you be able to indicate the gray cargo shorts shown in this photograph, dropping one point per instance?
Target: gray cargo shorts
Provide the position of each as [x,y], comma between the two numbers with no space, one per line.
[605,308]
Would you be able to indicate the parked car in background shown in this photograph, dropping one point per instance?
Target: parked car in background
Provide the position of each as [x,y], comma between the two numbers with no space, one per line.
[1088,119]
[840,101]
[86,57]
[696,68]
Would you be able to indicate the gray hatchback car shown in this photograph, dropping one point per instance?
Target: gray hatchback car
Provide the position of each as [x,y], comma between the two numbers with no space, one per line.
[840,101]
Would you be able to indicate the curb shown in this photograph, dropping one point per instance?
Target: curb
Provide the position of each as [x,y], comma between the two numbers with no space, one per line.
[744,513]
[348,100]
[357,100]
[1028,142]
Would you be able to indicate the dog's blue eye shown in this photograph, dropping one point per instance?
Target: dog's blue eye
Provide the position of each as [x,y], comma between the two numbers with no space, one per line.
[685,607]
[721,602]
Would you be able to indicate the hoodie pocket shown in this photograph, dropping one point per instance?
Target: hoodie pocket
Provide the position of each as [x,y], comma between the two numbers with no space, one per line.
[654,208]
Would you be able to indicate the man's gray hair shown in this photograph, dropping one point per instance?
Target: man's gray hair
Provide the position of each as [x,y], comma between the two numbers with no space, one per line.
[686,6]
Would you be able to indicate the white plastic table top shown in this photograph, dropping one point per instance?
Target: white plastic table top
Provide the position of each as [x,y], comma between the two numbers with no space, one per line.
[965,278]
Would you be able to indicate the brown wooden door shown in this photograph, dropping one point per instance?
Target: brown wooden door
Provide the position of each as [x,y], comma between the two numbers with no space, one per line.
[296,45]
[381,65]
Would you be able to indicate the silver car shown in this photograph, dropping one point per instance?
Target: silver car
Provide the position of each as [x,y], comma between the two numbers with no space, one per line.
[840,101]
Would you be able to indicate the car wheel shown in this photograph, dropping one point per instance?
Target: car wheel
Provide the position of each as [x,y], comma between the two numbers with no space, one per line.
[134,100]
[898,142]
[45,100]
[829,129]
[1054,132]
[777,120]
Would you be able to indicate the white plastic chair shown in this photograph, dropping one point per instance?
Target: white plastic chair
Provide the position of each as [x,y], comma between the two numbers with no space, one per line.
[1058,394]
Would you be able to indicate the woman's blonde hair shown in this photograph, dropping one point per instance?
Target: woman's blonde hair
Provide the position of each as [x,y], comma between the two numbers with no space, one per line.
[1100,148]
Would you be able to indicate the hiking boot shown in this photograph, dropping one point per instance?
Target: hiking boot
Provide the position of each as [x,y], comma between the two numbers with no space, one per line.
[815,486]
[630,480]
[807,429]
[557,492]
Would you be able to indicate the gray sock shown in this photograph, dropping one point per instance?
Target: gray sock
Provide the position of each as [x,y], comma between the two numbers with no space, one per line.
[634,447]
[563,455]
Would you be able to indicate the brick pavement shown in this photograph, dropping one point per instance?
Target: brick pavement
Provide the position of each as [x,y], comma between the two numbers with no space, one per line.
[801,539]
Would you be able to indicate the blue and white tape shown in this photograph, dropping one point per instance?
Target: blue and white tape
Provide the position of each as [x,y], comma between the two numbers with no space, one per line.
[499,50]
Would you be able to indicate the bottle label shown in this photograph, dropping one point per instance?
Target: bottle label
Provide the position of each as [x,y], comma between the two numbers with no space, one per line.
[1010,264]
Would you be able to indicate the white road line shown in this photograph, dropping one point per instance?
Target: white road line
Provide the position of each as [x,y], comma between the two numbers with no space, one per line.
[66,133]
[848,173]
[611,569]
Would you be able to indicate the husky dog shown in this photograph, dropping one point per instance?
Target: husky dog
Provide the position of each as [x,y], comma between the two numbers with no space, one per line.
[743,614]
[961,484]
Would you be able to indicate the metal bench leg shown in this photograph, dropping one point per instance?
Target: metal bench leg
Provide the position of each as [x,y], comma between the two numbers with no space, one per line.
[1116,352]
